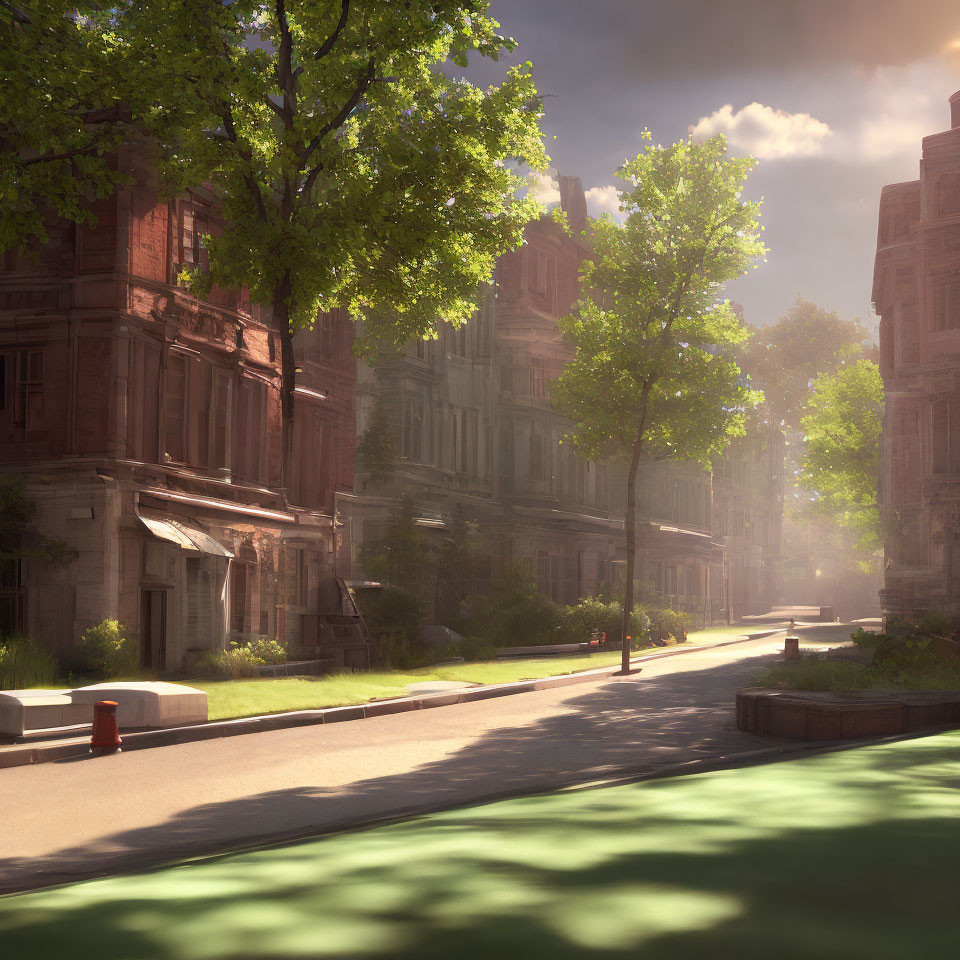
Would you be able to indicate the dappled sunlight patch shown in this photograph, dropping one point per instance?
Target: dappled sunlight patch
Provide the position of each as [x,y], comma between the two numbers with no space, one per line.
[630,916]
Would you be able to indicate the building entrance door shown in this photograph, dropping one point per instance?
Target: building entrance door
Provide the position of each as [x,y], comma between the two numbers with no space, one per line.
[153,651]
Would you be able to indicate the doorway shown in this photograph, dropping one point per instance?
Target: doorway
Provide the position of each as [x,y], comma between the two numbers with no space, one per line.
[153,650]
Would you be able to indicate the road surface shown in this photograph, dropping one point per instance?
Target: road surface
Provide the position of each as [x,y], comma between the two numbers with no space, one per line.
[75,819]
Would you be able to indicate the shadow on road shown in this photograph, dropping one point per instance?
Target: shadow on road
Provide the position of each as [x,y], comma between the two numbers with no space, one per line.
[623,725]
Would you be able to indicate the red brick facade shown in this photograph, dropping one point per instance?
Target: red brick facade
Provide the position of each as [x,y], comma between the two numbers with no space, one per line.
[147,426]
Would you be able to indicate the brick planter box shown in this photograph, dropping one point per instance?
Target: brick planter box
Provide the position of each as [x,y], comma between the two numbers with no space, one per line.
[809,715]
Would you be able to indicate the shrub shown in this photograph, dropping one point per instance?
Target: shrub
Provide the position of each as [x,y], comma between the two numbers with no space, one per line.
[593,613]
[268,650]
[234,663]
[668,626]
[515,613]
[105,652]
[24,663]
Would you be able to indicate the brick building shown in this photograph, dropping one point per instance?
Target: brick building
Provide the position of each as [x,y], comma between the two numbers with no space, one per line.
[477,439]
[146,425]
[916,292]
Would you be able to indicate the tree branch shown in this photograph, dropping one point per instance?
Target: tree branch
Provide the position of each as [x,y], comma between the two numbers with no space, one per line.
[285,76]
[52,157]
[334,123]
[327,44]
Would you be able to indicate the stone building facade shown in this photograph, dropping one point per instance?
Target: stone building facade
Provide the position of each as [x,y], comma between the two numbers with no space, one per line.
[478,441]
[146,425]
[916,292]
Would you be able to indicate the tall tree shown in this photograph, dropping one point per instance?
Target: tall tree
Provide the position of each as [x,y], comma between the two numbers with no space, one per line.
[60,116]
[841,461]
[353,171]
[653,374]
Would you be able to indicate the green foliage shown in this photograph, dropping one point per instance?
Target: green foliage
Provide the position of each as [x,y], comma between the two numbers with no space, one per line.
[841,461]
[653,340]
[237,661]
[514,613]
[242,659]
[62,87]
[593,613]
[839,676]
[25,663]
[105,652]
[784,358]
[268,650]
[469,648]
[402,558]
[667,624]
[353,172]
[377,448]
[16,516]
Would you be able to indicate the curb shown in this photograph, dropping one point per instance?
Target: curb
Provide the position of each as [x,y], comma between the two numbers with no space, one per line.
[75,749]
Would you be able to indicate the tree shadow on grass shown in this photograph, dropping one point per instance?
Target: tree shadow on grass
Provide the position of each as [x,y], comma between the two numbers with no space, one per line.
[849,855]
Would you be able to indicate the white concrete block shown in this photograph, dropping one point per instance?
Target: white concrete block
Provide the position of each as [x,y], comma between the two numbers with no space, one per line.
[148,703]
[23,710]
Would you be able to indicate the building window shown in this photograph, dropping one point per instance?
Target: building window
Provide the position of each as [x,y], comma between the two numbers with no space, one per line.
[538,377]
[946,307]
[413,428]
[945,436]
[537,451]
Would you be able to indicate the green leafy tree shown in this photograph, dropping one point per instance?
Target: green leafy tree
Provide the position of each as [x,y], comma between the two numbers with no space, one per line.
[60,117]
[353,173]
[841,462]
[377,448]
[653,376]
[784,358]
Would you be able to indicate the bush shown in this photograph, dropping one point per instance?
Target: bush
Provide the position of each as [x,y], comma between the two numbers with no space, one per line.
[106,653]
[234,663]
[515,613]
[24,663]
[593,613]
[668,626]
[268,650]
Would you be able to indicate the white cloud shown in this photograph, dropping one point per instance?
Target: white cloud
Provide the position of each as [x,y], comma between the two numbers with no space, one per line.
[544,187]
[765,132]
[602,200]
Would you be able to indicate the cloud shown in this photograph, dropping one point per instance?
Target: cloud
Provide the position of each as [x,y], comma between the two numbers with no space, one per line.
[544,187]
[602,200]
[902,105]
[765,132]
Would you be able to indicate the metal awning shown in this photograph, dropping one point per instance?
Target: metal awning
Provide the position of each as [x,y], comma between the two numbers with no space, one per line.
[185,536]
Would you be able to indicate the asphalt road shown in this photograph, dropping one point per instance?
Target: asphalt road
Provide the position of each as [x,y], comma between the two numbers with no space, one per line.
[74,819]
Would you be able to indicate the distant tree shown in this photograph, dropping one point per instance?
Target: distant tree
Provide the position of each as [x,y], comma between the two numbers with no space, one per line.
[653,374]
[785,357]
[401,557]
[841,462]
[377,447]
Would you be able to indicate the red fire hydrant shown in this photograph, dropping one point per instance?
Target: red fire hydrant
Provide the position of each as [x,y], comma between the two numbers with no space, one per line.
[106,734]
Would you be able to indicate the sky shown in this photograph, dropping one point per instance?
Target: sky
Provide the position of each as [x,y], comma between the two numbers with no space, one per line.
[832,96]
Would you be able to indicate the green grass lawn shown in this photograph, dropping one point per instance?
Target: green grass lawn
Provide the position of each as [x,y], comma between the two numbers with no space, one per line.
[848,855]
[246,698]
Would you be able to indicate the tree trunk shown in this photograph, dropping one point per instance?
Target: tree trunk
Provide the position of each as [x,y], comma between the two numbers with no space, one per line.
[631,526]
[288,380]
